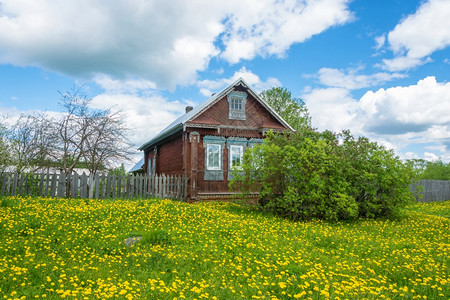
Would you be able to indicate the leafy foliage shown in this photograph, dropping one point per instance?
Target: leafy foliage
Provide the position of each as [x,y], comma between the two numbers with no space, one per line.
[292,110]
[325,175]
[437,170]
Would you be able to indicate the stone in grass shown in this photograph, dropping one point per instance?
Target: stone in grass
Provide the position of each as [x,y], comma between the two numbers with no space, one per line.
[132,240]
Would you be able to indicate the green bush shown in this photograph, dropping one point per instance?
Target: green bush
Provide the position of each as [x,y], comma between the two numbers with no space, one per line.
[324,175]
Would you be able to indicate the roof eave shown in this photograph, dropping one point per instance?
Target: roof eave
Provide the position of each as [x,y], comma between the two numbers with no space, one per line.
[161,137]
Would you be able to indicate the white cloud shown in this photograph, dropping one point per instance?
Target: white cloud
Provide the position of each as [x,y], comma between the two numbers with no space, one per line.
[350,79]
[413,108]
[380,41]
[397,117]
[164,42]
[419,35]
[124,86]
[402,63]
[431,156]
[144,115]
[332,109]
[207,87]
[268,27]
[410,155]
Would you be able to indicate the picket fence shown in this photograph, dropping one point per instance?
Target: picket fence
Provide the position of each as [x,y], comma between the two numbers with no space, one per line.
[100,186]
[431,190]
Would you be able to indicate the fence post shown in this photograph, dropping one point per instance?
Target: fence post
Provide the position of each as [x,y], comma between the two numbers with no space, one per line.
[90,186]
[113,185]
[137,186]
[83,185]
[108,186]
[20,184]
[3,183]
[14,187]
[61,185]
[53,185]
[75,184]
[119,179]
[96,183]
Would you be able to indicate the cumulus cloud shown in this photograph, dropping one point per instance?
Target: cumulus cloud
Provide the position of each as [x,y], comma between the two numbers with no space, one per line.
[350,79]
[419,35]
[333,109]
[431,156]
[144,115]
[207,87]
[398,116]
[270,27]
[407,109]
[164,42]
[123,86]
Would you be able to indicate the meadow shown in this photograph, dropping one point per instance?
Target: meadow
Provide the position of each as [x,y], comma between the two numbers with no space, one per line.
[74,249]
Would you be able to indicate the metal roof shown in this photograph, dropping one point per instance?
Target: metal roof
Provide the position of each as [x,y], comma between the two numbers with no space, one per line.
[138,166]
[178,123]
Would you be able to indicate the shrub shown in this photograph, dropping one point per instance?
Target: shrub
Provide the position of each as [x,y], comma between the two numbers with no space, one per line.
[324,175]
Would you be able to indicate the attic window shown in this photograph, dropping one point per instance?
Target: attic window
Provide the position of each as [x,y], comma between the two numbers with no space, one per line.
[236,101]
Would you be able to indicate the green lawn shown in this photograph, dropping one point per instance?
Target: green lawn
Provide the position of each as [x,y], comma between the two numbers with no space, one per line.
[74,249]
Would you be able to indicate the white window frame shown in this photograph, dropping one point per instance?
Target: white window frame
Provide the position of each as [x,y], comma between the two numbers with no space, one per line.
[241,152]
[214,168]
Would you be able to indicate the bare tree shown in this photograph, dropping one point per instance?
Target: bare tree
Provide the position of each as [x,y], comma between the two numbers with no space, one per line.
[92,137]
[5,159]
[108,143]
[31,142]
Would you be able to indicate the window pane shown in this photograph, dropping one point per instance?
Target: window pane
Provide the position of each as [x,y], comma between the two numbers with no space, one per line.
[236,156]
[236,104]
[213,157]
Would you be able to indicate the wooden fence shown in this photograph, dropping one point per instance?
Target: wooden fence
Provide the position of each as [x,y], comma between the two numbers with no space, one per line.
[102,186]
[433,190]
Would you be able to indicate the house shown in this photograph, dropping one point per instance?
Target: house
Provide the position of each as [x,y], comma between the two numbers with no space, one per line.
[209,140]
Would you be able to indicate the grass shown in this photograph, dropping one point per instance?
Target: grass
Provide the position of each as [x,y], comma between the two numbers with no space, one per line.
[74,249]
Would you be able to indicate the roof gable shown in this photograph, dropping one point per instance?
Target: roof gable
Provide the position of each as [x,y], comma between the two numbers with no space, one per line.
[198,110]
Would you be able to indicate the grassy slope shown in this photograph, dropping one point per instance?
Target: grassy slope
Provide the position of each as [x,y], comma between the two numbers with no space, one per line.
[75,249]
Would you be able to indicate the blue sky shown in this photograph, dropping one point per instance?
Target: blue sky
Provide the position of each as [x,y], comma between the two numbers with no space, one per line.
[378,68]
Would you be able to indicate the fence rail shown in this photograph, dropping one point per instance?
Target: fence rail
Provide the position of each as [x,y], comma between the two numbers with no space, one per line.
[433,190]
[102,186]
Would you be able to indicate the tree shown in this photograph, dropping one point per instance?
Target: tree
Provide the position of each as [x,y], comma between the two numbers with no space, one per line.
[31,142]
[437,170]
[325,175]
[4,151]
[292,110]
[96,137]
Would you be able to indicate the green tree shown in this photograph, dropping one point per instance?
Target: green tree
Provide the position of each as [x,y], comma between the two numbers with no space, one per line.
[438,170]
[291,109]
[119,170]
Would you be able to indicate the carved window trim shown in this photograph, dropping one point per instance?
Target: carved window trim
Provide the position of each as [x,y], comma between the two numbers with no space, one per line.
[213,174]
[235,142]
[236,105]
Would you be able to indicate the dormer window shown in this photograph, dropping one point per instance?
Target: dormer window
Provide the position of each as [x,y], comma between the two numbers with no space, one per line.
[236,101]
